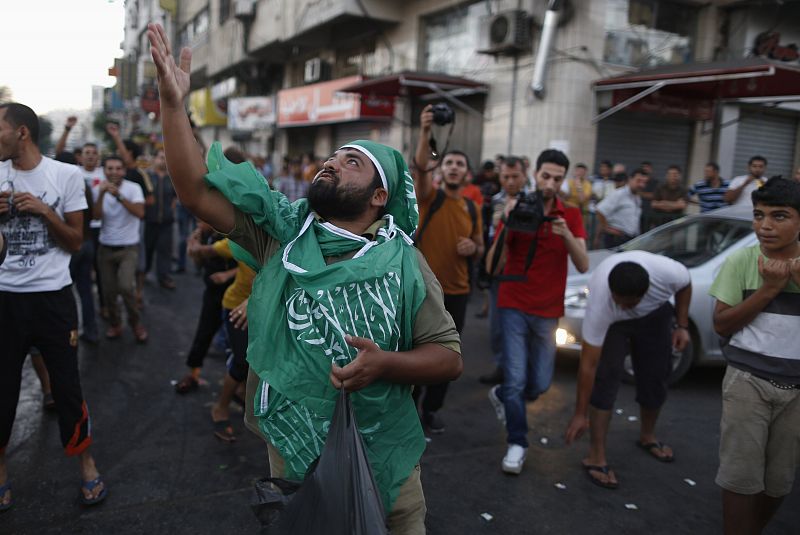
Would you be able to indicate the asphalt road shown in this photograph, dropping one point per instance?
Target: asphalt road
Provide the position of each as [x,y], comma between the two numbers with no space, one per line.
[168,474]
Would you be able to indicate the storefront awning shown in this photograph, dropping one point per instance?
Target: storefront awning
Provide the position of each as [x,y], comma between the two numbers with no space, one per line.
[412,83]
[421,85]
[700,84]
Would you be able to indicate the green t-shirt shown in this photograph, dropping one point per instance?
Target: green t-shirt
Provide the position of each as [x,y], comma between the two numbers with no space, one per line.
[766,346]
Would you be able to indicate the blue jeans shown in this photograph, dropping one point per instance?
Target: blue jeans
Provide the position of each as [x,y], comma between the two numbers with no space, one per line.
[529,354]
[495,327]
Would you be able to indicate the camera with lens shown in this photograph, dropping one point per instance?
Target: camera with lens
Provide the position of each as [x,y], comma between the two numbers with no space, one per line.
[443,114]
[528,214]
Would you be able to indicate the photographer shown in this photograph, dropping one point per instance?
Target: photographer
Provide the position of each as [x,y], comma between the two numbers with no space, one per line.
[450,232]
[531,305]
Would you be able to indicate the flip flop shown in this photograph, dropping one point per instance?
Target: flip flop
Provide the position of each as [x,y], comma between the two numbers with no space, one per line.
[650,446]
[223,430]
[5,506]
[589,468]
[186,385]
[90,486]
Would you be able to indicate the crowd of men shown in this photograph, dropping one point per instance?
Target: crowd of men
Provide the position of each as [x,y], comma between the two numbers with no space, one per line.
[363,227]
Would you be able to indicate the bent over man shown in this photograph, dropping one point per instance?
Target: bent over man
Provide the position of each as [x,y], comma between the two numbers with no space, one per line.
[628,310]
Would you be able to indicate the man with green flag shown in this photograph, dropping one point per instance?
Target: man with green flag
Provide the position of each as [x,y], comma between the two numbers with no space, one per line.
[342,298]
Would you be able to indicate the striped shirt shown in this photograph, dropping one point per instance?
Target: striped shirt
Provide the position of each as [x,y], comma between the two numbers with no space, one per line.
[766,346]
[710,198]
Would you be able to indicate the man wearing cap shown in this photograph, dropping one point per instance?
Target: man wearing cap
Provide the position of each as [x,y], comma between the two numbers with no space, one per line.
[342,298]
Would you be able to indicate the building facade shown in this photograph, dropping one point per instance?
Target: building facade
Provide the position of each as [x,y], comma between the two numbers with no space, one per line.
[287,77]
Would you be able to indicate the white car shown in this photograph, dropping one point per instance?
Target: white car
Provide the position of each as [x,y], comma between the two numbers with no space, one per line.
[701,242]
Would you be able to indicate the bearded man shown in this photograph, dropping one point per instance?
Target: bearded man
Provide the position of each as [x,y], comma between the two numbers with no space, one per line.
[342,298]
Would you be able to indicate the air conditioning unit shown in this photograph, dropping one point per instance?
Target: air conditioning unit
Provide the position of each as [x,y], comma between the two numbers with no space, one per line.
[244,9]
[507,32]
[316,70]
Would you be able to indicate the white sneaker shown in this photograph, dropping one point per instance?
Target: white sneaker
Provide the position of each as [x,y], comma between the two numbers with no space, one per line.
[499,408]
[514,459]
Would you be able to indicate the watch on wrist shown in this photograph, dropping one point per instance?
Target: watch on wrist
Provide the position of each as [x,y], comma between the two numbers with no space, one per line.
[677,325]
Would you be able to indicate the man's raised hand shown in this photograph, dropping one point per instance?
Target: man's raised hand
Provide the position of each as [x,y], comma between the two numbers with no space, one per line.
[173,79]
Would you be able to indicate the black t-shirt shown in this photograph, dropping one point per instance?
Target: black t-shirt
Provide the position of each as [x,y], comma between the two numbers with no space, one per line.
[215,264]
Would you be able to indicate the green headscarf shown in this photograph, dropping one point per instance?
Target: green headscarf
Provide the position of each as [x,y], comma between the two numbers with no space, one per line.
[301,308]
[391,166]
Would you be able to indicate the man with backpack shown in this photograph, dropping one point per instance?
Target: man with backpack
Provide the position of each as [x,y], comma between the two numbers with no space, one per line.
[450,235]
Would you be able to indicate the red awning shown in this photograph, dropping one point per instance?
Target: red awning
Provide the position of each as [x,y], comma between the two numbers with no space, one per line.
[412,83]
[750,78]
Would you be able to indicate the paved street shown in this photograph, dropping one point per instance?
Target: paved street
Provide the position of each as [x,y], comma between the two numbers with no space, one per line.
[167,473]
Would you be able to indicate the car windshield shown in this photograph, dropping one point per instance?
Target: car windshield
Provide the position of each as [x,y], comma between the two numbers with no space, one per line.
[693,241]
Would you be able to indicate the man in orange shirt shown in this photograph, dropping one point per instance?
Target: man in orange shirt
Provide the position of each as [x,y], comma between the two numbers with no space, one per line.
[449,235]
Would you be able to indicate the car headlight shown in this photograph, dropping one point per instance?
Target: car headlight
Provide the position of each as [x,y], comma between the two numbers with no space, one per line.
[576,297]
[564,337]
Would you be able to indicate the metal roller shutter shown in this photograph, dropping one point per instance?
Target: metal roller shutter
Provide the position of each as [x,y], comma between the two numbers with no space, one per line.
[770,135]
[346,132]
[632,138]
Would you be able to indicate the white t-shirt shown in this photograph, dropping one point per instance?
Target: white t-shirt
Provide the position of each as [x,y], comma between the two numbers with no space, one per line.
[622,210]
[94,178]
[744,198]
[35,262]
[666,278]
[120,227]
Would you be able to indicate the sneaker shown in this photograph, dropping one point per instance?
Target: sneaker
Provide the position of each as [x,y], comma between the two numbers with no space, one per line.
[433,422]
[499,407]
[514,459]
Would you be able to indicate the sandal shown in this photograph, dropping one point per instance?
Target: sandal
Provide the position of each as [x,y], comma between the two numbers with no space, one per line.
[5,506]
[90,486]
[223,430]
[186,385]
[140,333]
[589,468]
[651,446]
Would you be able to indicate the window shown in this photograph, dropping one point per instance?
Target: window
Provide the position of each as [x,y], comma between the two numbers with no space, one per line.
[194,29]
[694,241]
[646,33]
[224,10]
[201,23]
[451,39]
[357,59]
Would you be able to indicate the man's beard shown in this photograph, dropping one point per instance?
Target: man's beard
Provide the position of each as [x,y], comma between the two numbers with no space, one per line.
[332,201]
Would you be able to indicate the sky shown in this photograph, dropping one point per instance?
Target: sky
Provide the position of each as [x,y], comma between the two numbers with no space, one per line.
[54,51]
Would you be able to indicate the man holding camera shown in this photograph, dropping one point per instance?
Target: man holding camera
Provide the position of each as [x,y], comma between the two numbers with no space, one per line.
[450,233]
[531,295]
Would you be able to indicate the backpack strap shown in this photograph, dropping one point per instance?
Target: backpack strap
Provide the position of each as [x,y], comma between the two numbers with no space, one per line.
[473,212]
[437,203]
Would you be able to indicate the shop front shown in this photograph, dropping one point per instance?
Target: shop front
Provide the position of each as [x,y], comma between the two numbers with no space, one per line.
[692,113]
[319,118]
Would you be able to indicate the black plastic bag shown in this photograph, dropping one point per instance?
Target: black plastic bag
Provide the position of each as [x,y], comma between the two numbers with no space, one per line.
[338,496]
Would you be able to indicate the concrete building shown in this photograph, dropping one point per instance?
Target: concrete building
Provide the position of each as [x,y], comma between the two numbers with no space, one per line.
[285,77]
